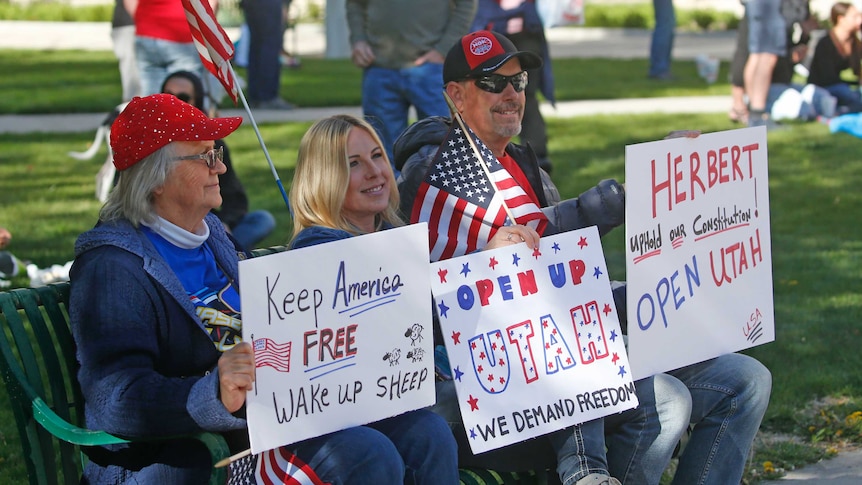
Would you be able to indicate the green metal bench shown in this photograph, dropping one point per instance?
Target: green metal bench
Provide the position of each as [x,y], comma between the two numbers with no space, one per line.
[39,368]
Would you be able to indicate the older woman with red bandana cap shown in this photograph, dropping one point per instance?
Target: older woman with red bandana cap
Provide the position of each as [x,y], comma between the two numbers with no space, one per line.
[155,312]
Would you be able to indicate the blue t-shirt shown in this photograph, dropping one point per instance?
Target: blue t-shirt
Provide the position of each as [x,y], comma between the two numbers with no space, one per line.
[210,290]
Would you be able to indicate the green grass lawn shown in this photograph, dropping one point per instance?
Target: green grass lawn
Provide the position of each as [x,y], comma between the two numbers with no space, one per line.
[37,81]
[48,199]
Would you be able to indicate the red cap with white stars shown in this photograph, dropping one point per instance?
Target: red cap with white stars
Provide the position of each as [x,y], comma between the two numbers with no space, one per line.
[151,122]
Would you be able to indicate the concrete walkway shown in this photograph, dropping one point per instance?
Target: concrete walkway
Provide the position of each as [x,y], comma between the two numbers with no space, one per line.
[844,469]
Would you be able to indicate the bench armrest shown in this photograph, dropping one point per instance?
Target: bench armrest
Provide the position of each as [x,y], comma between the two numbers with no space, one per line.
[68,432]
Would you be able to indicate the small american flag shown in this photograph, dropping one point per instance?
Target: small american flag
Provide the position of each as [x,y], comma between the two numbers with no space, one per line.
[268,352]
[277,466]
[213,44]
[461,206]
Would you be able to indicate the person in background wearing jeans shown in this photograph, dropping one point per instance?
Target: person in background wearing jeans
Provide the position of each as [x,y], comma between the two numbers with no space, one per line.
[265,19]
[767,41]
[163,41]
[662,40]
[838,51]
[400,45]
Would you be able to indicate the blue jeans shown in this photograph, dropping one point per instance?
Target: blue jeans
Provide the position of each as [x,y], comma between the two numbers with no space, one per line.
[264,19]
[729,396]
[157,58]
[387,95]
[848,98]
[412,448]
[662,37]
[253,228]
[574,452]
[641,441]
[766,27]
[726,398]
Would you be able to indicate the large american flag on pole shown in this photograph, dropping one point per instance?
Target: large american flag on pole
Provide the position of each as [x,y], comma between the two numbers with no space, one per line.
[213,44]
[462,207]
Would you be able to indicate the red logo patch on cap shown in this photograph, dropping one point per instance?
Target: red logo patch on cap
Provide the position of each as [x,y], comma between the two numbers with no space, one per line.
[479,47]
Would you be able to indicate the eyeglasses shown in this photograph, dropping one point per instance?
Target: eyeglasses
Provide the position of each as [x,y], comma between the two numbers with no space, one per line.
[184,97]
[496,83]
[212,157]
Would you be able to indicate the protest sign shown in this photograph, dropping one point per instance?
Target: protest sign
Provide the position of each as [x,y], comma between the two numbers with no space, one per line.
[342,334]
[698,249]
[533,338]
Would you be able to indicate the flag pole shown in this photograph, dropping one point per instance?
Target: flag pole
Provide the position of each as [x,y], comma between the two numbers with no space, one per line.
[260,138]
[227,461]
[457,116]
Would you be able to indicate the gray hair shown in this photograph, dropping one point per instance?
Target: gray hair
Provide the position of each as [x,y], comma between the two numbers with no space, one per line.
[132,198]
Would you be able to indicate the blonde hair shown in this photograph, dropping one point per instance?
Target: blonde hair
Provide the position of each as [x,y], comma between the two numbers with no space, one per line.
[322,176]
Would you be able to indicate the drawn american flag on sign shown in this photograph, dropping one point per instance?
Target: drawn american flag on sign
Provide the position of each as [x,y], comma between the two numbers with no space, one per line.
[269,353]
[463,210]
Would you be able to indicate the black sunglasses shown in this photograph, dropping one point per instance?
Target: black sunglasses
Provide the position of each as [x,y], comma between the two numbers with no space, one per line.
[496,83]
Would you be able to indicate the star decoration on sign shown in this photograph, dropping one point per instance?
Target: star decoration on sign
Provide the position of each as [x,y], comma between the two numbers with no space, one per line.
[556,248]
[472,433]
[458,374]
[613,335]
[607,309]
[442,274]
[493,263]
[583,242]
[456,337]
[536,253]
[515,259]
[443,309]
[597,272]
[465,269]
[615,358]
[474,403]
[622,371]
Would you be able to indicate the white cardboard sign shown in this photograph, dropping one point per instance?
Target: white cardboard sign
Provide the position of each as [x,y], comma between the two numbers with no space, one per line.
[342,334]
[533,338]
[698,249]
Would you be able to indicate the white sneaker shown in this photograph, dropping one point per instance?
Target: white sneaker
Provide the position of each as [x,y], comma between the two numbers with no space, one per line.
[598,479]
[41,277]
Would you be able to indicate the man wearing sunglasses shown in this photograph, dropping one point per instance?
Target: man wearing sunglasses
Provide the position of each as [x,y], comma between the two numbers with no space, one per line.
[723,399]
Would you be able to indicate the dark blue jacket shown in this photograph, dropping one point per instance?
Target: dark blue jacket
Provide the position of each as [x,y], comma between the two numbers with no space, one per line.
[148,366]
